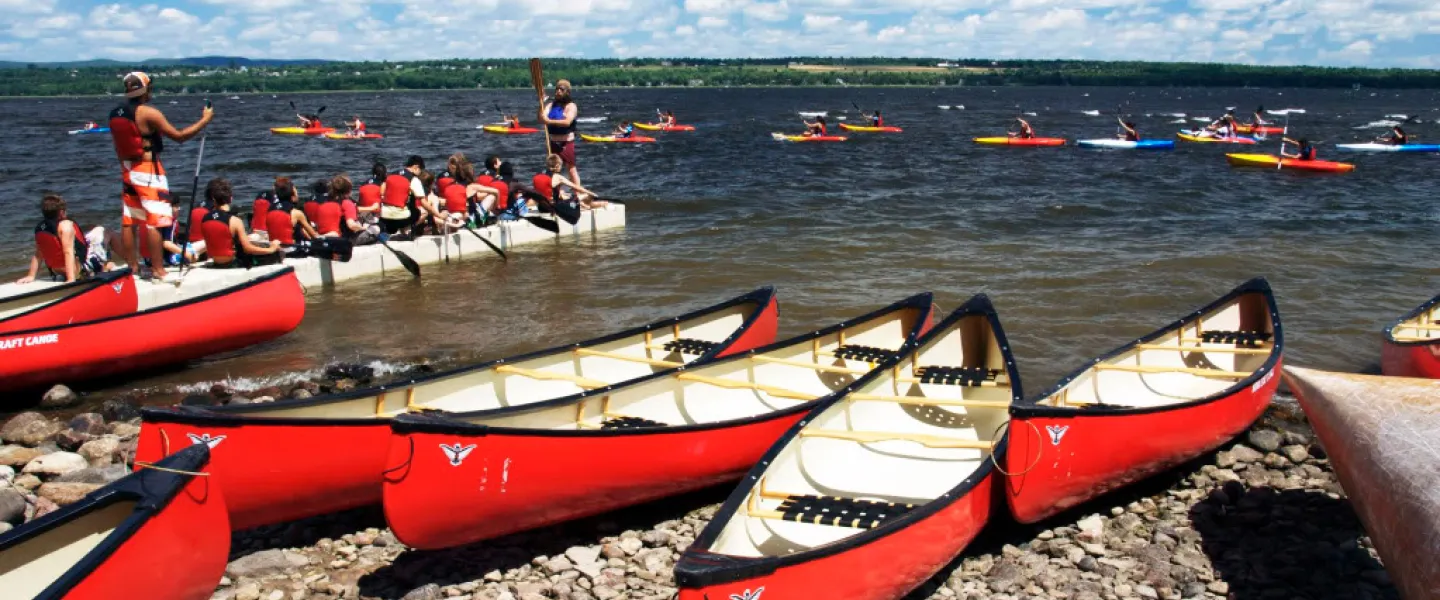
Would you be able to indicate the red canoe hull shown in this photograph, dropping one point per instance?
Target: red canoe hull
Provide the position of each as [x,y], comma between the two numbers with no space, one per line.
[1098,453]
[279,469]
[883,569]
[106,296]
[1410,360]
[160,336]
[513,481]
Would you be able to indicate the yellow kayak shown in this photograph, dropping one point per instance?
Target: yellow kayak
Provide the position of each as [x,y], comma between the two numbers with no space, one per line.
[1270,161]
[503,130]
[634,139]
[869,129]
[301,130]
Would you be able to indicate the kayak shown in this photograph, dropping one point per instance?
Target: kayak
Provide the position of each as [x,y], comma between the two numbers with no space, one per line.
[155,533]
[865,128]
[1373,147]
[301,130]
[610,139]
[1127,144]
[1191,136]
[1411,346]
[503,130]
[808,138]
[660,127]
[1010,141]
[1275,162]
[1378,433]
[1262,130]
[348,136]
[35,305]
[85,131]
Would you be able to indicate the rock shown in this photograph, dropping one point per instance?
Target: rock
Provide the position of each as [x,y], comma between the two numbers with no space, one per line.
[1193,589]
[300,394]
[26,482]
[41,507]
[116,410]
[344,385]
[12,506]
[1296,453]
[220,392]
[1243,454]
[89,423]
[265,562]
[59,396]
[612,550]
[264,399]
[1146,591]
[655,539]
[17,456]
[1087,564]
[124,431]
[1092,528]
[99,475]
[100,451]
[582,554]
[29,429]
[429,591]
[70,439]
[558,565]
[631,545]
[1296,438]
[66,493]
[1218,587]
[1266,440]
[58,463]
[249,591]
[7,475]
[5,527]
[198,400]
[1094,549]
[238,400]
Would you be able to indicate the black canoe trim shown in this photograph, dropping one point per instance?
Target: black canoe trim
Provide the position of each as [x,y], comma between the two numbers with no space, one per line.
[451,423]
[241,414]
[150,489]
[81,287]
[698,567]
[1390,330]
[1030,407]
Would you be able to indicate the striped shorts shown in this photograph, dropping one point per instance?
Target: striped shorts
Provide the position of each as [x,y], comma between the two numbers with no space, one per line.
[146,193]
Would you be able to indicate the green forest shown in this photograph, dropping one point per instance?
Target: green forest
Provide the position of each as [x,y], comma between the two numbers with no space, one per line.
[234,77]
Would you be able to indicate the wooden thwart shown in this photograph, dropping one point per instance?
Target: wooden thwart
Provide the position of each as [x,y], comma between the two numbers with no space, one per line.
[1215,373]
[548,376]
[1212,349]
[1416,338]
[669,364]
[929,441]
[746,385]
[1425,326]
[806,365]
[923,401]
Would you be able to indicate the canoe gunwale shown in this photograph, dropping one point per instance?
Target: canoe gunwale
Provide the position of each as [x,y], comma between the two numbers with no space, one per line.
[239,414]
[699,567]
[152,490]
[1415,312]
[1031,407]
[81,286]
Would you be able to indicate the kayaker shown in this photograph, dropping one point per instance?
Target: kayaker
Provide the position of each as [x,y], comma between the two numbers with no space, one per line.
[259,218]
[91,126]
[428,205]
[815,128]
[1306,152]
[624,130]
[876,120]
[58,243]
[138,129]
[226,241]
[309,121]
[1026,131]
[398,194]
[1258,119]
[668,119]
[357,127]
[1130,133]
[559,116]
[564,190]
[1396,137]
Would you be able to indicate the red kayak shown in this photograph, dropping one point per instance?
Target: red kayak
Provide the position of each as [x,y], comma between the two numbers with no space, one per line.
[1145,407]
[457,478]
[265,453]
[504,130]
[1261,130]
[879,488]
[1412,344]
[157,533]
[1016,141]
[104,295]
[265,307]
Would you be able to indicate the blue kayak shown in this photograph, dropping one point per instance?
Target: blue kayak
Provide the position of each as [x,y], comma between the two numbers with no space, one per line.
[1128,145]
[85,131]
[1373,147]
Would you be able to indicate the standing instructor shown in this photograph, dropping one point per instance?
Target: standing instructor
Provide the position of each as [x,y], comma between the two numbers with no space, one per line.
[138,131]
[559,115]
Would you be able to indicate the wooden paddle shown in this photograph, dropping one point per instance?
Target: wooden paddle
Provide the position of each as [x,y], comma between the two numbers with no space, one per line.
[537,79]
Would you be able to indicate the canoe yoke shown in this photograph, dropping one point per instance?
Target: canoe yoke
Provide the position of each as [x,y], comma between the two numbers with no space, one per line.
[836,511]
[863,353]
[1240,338]
[962,376]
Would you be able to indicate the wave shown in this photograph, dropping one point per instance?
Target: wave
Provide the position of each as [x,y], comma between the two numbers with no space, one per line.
[1090,113]
[589,119]
[1381,124]
[1286,111]
[814,113]
[1401,117]
[1180,121]
[1178,115]
[249,384]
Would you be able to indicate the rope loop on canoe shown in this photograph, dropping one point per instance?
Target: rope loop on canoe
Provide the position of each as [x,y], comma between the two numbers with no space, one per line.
[1038,438]
[164,442]
[408,457]
[146,465]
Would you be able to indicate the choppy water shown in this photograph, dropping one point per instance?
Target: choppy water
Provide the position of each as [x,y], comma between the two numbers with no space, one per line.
[1081,249]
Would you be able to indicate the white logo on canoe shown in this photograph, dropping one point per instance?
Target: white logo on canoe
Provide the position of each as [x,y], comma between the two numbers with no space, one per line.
[748,595]
[1056,432]
[457,453]
[207,439]
[117,286]
[1259,383]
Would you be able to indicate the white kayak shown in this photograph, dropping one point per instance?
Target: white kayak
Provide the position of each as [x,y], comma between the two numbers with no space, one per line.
[1374,147]
[1127,144]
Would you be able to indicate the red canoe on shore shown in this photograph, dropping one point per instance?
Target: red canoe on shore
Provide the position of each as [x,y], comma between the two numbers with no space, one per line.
[1412,344]
[880,487]
[453,479]
[36,305]
[159,534]
[266,454]
[175,329]
[1146,406]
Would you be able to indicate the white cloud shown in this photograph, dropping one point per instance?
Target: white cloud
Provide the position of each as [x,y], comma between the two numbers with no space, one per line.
[768,11]
[708,22]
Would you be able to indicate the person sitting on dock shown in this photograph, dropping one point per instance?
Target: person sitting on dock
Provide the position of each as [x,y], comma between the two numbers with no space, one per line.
[285,221]
[562,190]
[1396,137]
[1130,133]
[58,243]
[1306,152]
[353,224]
[1026,131]
[226,240]
[814,128]
[398,194]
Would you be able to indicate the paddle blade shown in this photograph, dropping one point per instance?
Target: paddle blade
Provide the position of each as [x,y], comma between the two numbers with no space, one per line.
[537,76]
[322,109]
[405,260]
[489,243]
[543,223]
[292,105]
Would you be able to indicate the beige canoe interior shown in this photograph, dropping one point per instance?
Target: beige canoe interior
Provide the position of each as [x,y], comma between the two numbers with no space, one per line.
[890,446]
[1420,328]
[736,388]
[563,373]
[28,568]
[10,305]
[1204,356]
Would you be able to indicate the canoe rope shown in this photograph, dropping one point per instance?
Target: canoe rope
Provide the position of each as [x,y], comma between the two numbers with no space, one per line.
[408,457]
[146,465]
[1040,441]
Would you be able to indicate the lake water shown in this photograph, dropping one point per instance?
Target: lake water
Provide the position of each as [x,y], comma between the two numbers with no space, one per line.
[1081,250]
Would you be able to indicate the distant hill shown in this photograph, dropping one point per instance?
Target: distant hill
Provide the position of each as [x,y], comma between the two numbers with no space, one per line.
[194,61]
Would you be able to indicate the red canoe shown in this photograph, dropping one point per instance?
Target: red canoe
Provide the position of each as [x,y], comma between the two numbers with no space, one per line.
[460,478]
[1145,407]
[158,534]
[879,488]
[1412,344]
[266,453]
[184,328]
[40,305]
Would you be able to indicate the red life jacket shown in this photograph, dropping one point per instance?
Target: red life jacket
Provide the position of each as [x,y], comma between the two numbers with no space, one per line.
[196,216]
[327,217]
[219,242]
[369,194]
[397,189]
[281,226]
[312,210]
[130,143]
[445,180]
[47,240]
[541,183]
[503,188]
[262,209]
[455,199]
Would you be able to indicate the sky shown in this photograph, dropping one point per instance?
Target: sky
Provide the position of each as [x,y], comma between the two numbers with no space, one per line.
[1379,33]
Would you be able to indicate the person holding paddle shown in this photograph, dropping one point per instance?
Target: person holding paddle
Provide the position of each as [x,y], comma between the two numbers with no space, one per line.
[558,116]
[1130,134]
[356,127]
[1396,137]
[309,121]
[1307,151]
[1026,131]
[815,128]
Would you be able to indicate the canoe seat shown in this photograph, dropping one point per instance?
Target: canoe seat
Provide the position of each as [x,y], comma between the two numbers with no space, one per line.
[620,422]
[840,512]
[962,376]
[689,346]
[1239,338]
[868,354]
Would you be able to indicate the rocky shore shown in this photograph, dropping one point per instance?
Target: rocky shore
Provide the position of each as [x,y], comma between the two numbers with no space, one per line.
[1262,518]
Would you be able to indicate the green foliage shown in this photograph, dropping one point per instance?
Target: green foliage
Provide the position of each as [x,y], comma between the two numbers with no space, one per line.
[227,76]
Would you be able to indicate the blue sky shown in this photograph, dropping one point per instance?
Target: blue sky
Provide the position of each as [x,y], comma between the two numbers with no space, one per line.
[1404,33]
